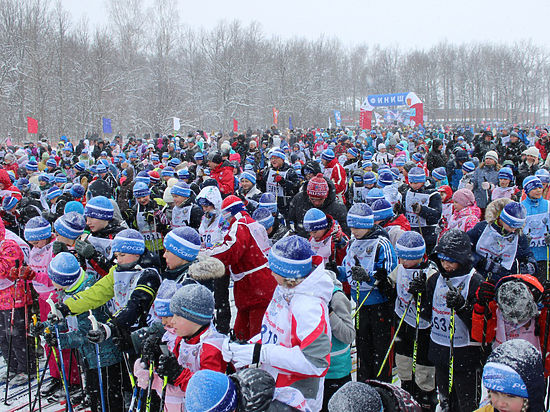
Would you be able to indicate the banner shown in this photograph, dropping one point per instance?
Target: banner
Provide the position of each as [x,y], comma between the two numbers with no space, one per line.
[235,125]
[275,116]
[290,122]
[338,118]
[176,124]
[107,125]
[32,125]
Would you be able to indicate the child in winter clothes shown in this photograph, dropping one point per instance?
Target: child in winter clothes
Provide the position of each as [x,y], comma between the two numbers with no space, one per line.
[294,344]
[544,176]
[413,263]
[385,216]
[212,229]
[326,237]
[513,376]
[343,335]
[446,194]
[467,181]
[439,177]
[466,214]
[370,257]
[449,300]
[184,212]
[505,188]
[68,277]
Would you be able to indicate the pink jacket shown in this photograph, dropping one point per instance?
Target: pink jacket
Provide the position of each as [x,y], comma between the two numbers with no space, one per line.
[11,294]
[175,397]
[39,259]
[465,219]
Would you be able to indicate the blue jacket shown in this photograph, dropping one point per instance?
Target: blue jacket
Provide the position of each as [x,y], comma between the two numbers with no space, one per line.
[535,207]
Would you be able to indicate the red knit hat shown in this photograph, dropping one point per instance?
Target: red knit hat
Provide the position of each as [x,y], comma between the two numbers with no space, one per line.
[317,187]
[447,191]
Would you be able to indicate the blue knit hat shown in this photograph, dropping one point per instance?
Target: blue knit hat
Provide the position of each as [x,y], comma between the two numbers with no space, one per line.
[100,168]
[395,172]
[199,155]
[291,257]
[44,177]
[183,174]
[77,191]
[410,246]
[382,210]
[80,166]
[353,151]
[164,295]
[53,192]
[506,173]
[37,228]
[514,215]
[9,202]
[74,206]
[143,177]
[60,179]
[315,219]
[99,207]
[220,396]
[468,167]
[268,201]
[193,302]
[399,161]
[360,216]
[439,173]
[167,172]
[385,178]
[417,175]
[129,241]
[367,155]
[264,217]
[543,175]
[183,242]
[417,157]
[327,154]
[51,162]
[64,269]
[369,178]
[31,166]
[531,183]
[141,190]
[71,225]
[22,183]
[277,152]
[174,162]
[250,176]
[181,189]
[373,195]
[154,157]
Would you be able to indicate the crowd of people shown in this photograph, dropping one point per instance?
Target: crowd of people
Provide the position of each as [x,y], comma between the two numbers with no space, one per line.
[248,272]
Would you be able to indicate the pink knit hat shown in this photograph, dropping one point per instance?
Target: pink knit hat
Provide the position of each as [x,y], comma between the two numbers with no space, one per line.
[464,197]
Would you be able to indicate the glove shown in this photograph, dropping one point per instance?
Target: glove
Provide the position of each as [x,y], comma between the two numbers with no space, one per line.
[168,366]
[455,300]
[13,274]
[240,355]
[151,349]
[150,218]
[486,185]
[546,294]
[417,208]
[418,284]
[279,179]
[51,339]
[62,309]
[527,268]
[359,274]
[381,275]
[27,273]
[102,333]
[489,266]
[442,222]
[84,249]
[547,239]
[36,330]
[59,247]
[332,266]
[485,293]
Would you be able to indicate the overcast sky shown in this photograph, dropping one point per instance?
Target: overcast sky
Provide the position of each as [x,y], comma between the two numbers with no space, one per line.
[405,23]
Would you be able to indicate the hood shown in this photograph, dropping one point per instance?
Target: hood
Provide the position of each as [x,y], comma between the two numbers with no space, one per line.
[456,245]
[435,144]
[5,178]
[494,208]
[318,284]
[335,281]
[206,267]
[212,194]
[401,221]
[100,187]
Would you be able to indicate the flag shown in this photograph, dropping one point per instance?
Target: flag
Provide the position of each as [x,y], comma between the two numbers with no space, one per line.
[235,125]
[275,116]
[176,123]
[290,122]
[32,125]
[107,125]
[337,118]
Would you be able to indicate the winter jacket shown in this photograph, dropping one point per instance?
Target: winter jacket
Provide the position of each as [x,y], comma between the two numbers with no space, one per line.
[12,294]
[283,190]
[505,193]
[300,204]
[39,260]
[335,171]
[188,214]
[464,219]
[484,173]
[223,173]
[435,158]
[328,247]
[487,259]
[75,337]
[203,270]
[241,253]
[296,335]
[513,151]
[103,259]
[9,189]
[250,198]
[454,174]
[537,225]
[395,227]
[482,147]
[525,170]
[430,213]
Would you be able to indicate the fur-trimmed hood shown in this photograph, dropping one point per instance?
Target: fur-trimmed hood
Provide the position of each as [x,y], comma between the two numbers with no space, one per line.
[494,208]
[206,268]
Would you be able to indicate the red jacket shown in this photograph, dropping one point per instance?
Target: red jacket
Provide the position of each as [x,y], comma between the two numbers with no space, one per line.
[223,174]
[400,221]
[9,188]
[338,176]
[241,255]
[542,149]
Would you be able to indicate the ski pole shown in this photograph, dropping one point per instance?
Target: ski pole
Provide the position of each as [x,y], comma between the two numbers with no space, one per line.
[132,381]
[415,345]
[394,338]
[140,397]
[149,387]
[94,327]
[38,396]
[359,307]
[34,322]
[28,355]
[163,396]
[10,342]
[357,300]
[49,301]
[451,350]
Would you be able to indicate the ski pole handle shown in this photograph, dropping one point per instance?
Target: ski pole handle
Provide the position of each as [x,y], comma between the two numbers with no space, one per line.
[34,320]
[93,320]
[53,309]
